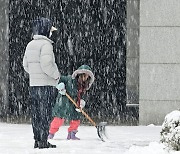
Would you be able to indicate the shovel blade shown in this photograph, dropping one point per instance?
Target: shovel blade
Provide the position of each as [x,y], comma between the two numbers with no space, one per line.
[101,131]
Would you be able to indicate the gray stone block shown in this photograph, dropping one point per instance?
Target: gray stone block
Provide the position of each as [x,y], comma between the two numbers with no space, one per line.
[132,94]
[132,71]
[4,11]
[159,45]
[159,13]
[133,13]
[159,82]
[154,112]
[132,42]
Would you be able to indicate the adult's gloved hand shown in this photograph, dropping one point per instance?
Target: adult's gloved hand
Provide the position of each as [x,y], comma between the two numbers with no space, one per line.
[61,88]
[82,105]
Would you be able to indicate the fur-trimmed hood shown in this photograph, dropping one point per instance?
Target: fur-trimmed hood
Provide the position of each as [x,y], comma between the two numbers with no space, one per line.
[84,69]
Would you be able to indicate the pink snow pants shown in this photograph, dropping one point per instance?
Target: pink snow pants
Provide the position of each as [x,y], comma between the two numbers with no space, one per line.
[58,122]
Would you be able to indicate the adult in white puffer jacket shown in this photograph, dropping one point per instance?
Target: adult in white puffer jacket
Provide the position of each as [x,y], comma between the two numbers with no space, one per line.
[39,63]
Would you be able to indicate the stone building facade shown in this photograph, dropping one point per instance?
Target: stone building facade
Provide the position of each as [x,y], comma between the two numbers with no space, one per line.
[152,60]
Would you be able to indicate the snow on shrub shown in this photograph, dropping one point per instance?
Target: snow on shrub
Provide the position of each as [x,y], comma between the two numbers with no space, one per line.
[170,133]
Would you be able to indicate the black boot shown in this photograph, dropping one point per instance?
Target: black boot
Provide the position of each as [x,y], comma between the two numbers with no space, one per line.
[45,144]
[36,144]
[51,145]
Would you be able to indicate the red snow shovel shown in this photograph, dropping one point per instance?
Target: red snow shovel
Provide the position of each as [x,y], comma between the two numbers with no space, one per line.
[100,127]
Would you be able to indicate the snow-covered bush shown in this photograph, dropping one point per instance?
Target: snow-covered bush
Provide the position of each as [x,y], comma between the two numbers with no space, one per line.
[170,133]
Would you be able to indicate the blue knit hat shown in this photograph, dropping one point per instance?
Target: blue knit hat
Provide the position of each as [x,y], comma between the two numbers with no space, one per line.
[42,26]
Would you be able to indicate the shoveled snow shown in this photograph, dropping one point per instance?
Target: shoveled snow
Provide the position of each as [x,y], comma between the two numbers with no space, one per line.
[18,139]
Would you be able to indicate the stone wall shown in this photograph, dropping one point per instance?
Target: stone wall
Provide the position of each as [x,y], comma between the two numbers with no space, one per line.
[159,89]
[153,63]
[132,59]
[132,54]
[4,55]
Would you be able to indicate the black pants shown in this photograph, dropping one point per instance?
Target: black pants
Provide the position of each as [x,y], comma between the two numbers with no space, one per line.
[42,101]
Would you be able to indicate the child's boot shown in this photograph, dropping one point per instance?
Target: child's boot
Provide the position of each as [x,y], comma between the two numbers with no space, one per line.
[73,135]
[69,136]
[50,136]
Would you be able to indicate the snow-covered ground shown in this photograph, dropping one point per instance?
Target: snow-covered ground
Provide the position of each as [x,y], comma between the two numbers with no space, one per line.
[18,139]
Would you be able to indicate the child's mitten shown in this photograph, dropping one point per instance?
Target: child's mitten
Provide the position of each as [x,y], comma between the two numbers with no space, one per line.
[82,105]
[61,88]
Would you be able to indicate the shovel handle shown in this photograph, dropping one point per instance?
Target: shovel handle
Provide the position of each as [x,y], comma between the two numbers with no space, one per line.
[84,113]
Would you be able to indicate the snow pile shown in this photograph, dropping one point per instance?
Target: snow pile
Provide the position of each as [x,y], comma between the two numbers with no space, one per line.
[170,134]
[153,148]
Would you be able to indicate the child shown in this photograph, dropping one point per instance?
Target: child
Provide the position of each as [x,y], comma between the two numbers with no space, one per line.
[76,86]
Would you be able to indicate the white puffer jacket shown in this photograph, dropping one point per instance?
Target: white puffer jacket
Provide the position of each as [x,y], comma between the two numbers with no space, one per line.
[39,62]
